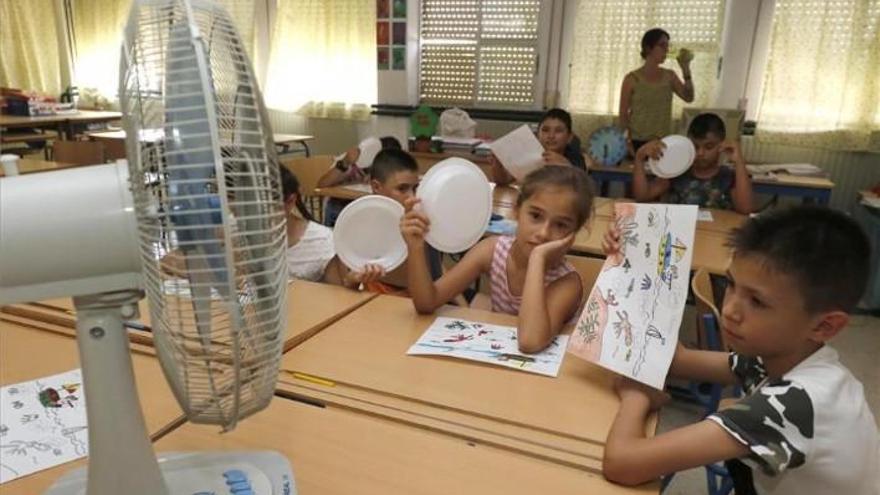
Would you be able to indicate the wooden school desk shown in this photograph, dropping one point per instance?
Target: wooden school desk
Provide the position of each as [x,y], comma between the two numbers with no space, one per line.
[28,353]
[310,308]
[337,451]
[63,123]
[710,238]
[29,166]
[816,189]
[360,362]
[282,141]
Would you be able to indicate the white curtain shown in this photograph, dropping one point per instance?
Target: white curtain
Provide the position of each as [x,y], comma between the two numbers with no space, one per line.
[607,42]
[98,30]
[33,48]
[822,83]
[322,61]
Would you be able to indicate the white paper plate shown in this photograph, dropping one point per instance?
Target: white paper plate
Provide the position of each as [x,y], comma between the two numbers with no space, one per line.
[369,148]
[368,232]
[677,157]
[457,199]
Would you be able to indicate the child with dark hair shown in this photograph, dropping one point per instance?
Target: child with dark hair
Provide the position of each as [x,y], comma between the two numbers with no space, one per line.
[646,93]
[529,275]
[707,183]
[395,174]
[561,145]
[804,426]
[345,171]
[310,251]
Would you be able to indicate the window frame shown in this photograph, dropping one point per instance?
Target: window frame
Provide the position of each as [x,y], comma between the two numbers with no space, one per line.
[540,79]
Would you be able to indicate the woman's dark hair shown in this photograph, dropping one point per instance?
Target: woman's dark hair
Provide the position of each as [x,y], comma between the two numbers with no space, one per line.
[290,187]
[572,178]
[390,143]
[651,38]
[558,114]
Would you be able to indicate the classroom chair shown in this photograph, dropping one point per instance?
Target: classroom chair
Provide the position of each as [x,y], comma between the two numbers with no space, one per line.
[308,170]
[78,152]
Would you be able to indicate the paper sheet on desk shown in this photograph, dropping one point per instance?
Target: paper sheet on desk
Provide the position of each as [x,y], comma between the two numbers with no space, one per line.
[519,151]
[493,344]
[705,216]
[42,424]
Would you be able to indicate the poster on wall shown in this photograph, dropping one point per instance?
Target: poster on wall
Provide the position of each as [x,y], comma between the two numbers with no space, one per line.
[382,60]
[382,34]
[399,8]
[382,10]
[398,33]
[398,58]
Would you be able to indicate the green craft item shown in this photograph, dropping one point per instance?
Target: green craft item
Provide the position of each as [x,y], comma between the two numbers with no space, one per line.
[423,122]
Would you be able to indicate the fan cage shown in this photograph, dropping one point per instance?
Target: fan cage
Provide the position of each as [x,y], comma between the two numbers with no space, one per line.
[206,188]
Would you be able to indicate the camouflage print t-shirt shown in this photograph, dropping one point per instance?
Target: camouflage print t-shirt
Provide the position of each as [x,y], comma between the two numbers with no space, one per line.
[809,431]
[714,192]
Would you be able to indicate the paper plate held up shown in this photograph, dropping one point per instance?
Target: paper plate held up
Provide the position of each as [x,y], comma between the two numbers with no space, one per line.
[677,157]
[457,199]
[369,148]
[368,232]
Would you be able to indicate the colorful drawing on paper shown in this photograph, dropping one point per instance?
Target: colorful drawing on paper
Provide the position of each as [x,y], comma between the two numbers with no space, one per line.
[493,344]
[631,319]
[42,424]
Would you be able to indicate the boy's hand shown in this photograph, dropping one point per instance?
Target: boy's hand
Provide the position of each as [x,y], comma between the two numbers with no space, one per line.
[732,150]
[352,155]
[551,253]
[652,149]
[634,393]
[611,240]
[414,225]
[370,273]
[554,158]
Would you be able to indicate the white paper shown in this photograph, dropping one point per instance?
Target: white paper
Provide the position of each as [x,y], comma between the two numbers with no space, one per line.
[519,152]
[705,216]
[42,424]
[359,187]
[630,322]
[493,344]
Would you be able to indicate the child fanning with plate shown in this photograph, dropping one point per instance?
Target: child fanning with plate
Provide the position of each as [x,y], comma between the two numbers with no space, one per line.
[707,183]
[529,275]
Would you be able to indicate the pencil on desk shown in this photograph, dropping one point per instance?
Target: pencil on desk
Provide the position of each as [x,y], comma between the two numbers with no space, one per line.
[313,379]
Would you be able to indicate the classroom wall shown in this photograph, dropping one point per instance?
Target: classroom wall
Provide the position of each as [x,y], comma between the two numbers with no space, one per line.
[744,46]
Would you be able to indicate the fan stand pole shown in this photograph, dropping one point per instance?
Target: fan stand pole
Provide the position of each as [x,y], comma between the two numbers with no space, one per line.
[121,458]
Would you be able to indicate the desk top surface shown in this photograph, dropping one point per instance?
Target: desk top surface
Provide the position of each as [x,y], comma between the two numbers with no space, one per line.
[367,350]
[30,353]
[337,451]
[28,166]
[311,306]
[80,116]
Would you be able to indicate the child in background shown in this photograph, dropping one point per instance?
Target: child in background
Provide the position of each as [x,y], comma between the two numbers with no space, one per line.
[310,252]
[345,171]
[529,275]
[395,174]
[804,426]
[708,183]
[561,145]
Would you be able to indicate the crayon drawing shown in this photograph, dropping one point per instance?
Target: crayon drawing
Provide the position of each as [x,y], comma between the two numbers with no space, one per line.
[631,319]
[493,344]
[42,424]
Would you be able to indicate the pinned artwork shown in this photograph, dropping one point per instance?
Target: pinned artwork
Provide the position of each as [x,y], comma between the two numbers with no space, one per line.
[630,322]
[493,344]
[42,424]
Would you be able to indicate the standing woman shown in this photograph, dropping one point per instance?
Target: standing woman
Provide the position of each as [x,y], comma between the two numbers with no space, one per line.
[646,93]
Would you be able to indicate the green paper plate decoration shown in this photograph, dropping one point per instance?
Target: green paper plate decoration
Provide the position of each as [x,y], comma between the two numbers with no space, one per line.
[423,122]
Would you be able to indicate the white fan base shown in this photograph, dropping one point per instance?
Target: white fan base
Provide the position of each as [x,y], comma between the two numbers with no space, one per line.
[198,473]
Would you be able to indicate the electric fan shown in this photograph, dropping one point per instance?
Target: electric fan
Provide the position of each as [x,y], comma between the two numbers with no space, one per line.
[201,184]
